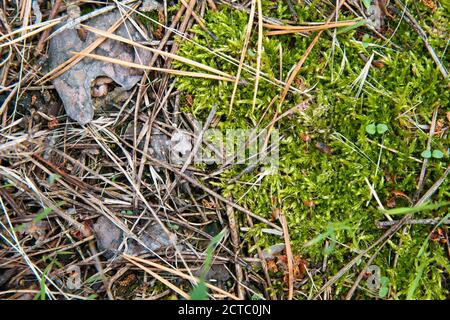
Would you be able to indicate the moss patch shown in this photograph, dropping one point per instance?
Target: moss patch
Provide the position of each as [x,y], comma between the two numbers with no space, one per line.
[324,194]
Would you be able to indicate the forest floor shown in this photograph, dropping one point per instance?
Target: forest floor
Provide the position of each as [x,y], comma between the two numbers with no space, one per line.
[216,149]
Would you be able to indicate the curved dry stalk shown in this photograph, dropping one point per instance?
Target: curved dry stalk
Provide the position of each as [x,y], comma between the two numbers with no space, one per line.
[290,257]
[143,67]
[244,52]
[259,52]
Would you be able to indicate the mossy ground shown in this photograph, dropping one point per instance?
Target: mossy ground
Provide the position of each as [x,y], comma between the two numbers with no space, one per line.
[324,195]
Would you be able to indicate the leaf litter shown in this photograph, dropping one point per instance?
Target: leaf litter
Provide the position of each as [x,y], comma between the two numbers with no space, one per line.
[75,85]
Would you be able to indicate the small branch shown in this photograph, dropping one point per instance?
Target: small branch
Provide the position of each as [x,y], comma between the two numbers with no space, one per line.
[432,221]
[234,231]
[425,161]
[433,188]
[290,257]
[212,5]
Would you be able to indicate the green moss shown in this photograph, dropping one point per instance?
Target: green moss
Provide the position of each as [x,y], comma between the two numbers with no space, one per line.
[404,91]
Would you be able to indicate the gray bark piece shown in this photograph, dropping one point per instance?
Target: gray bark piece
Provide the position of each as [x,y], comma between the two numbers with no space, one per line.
[74,86]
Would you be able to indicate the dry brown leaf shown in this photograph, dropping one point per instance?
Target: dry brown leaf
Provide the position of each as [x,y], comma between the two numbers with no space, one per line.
[74,85]
[272,266]
[438,236]
[309,203]
[430,4]
[305,137]
[439,126]
[209,204]
[276,214]
[299,267]
[391,202]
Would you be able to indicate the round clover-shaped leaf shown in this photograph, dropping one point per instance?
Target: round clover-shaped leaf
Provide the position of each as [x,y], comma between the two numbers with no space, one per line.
[426,154]
[365,40]
[384,289]
[383,292]
[371,128]
[382,128]
[438,154]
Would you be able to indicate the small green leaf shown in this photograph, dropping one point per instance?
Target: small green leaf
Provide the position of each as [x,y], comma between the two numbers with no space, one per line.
[423,207]
[383,292]
[41,295]
[199,292]
[367,3]
[44,213]
[174,227]
[20,228]
[257,296]
[317,239]
[371,128]
[438,154]
[93,280]
[366,40]
[382,128]
[384,281]
[415,283]
[426,154]
[352,27]
[52,178]
[210,251]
